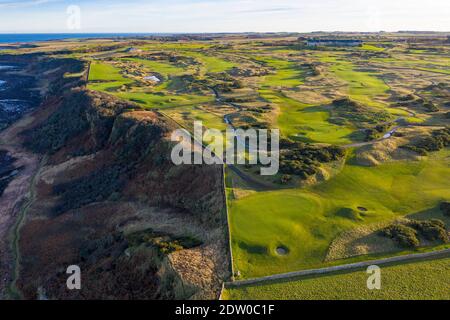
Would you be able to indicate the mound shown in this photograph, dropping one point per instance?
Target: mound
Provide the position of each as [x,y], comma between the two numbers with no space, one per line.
[349,213]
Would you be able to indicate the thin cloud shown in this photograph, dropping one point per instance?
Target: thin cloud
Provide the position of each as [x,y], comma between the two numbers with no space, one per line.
[21,4]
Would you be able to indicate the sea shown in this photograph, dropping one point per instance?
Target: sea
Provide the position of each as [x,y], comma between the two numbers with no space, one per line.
[36,37]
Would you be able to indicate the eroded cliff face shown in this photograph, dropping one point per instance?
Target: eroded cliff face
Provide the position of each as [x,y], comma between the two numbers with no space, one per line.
[106,197]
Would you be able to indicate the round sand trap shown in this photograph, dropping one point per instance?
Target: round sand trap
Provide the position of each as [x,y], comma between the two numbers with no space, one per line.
[282,251]
[363,209]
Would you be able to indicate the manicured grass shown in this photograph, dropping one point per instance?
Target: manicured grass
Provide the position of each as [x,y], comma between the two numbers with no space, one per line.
[107,78]
[306,221]
[105,72]
[364,87]
[164,69]
[161,101]
[287,74]
[306,122]
[211,64]
[410,281]
[371,47]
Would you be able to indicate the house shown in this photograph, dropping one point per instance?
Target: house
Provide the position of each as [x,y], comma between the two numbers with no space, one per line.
[334,42]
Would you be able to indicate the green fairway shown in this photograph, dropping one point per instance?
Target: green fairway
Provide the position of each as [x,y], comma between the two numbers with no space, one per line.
[364,87]
[161,100]
[287,74]
[305,221]
[305,122]
[210,64]
[106,72]
[164,69]
[107,78]
[415,281]
[371,47]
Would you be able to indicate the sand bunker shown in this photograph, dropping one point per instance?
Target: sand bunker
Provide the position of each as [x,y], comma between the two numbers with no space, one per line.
[282,251]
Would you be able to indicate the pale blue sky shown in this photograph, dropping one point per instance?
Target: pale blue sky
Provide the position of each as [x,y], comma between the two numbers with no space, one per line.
[226,15]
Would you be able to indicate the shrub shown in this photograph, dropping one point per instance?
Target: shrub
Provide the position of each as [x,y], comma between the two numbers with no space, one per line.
[304,160]
[438,140]
[357,113]
[432,230]
[285,179]
[430,107]
[405,236]
[445,208]
[95,187]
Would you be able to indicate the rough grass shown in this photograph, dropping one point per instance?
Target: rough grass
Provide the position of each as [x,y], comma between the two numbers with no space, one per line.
[413,281]
[187,115]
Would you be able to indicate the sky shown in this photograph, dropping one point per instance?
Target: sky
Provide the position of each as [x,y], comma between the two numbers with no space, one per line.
[192,16]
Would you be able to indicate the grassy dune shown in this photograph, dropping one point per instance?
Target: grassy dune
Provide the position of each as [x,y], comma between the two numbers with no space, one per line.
[412,281]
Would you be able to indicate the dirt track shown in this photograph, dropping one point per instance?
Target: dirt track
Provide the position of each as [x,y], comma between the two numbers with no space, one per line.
[14,197]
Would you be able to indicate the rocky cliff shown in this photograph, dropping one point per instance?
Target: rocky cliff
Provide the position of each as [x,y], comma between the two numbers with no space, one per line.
[107,198]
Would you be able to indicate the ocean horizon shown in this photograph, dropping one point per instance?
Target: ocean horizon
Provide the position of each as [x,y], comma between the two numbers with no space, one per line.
[7,38]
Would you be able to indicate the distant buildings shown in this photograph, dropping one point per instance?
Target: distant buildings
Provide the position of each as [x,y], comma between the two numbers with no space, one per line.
[334,42]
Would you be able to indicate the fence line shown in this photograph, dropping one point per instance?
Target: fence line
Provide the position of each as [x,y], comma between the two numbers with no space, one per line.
[359,265]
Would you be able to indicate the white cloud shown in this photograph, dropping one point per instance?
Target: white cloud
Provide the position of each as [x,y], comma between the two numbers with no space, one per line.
[22,4]
[232,15]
